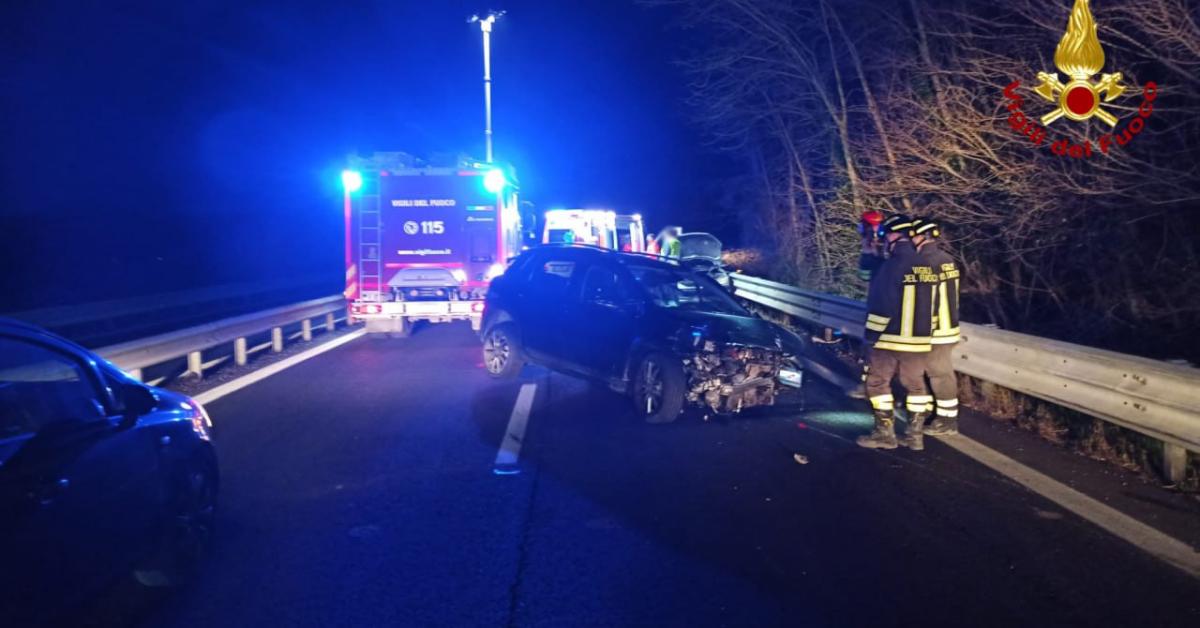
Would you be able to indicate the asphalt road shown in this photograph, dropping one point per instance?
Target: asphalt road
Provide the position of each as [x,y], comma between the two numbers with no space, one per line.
[358,490]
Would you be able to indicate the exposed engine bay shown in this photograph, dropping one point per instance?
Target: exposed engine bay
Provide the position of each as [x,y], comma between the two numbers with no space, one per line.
[727,379]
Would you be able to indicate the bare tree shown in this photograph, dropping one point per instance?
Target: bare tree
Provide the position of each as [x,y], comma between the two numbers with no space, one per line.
[1052,243]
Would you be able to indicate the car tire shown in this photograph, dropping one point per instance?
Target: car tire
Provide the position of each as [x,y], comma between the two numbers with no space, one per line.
[502,352]
[659,386]
[188,527]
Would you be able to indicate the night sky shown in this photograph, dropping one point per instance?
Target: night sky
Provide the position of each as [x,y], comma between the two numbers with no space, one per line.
[152,146]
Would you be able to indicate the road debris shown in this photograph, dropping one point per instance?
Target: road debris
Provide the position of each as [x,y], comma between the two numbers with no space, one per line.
[800,458]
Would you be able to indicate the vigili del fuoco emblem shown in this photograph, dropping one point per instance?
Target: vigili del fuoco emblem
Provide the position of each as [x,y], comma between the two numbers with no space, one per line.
[1080,57]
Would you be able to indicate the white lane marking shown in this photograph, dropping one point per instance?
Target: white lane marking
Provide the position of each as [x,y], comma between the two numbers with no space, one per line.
[251,378]
[1150,540]
[514,435]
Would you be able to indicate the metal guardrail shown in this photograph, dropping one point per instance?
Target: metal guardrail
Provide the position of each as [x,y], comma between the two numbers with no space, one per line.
[192,342]
[826,310]
[100,322]
[1154,398]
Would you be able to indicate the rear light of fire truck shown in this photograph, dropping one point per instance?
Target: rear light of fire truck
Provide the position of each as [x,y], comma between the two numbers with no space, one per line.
[477,307]
[366,308]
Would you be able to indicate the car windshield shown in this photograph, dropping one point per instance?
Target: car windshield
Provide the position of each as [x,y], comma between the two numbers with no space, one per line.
[676,288]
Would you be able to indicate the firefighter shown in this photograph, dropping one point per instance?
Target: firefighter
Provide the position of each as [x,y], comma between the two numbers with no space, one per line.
[871,255]
[898,330]
[940,366]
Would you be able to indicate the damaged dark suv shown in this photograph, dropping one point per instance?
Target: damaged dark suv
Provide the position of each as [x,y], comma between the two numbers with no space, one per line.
[649,328]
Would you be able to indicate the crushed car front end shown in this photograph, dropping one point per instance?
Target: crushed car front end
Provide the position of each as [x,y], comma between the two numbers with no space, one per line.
[728,378]
[729,358]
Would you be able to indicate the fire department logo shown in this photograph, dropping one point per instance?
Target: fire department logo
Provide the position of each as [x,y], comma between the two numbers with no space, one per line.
[1080,57]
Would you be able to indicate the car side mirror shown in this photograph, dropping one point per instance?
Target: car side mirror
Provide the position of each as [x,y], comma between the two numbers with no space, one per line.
[138,400]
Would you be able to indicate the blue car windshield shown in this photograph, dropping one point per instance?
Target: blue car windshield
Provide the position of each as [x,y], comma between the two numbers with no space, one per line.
[676,288]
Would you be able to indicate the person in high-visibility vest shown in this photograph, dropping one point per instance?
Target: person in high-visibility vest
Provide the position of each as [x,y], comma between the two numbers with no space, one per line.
[897,335]
[939,364]
[651,245]
[671,246]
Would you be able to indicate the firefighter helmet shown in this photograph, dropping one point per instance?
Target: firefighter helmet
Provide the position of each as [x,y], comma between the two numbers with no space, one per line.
[925,226]
[897,223]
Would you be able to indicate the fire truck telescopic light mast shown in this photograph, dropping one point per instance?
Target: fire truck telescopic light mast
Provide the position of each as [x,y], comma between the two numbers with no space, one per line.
[485,25]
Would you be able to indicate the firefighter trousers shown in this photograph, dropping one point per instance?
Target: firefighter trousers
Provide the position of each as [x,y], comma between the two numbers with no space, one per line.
[882,365]
[940,369]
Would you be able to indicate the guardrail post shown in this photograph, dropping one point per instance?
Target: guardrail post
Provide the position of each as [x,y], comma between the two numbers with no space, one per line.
[276,339]
[306,329]
[196,363]
[239,351]
[1174,462]
[330,322]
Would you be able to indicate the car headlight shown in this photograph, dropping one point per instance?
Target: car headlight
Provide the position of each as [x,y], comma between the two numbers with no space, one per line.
[201,423]
[791,377]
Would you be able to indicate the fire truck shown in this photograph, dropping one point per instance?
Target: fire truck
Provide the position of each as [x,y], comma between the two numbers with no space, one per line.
[422,243]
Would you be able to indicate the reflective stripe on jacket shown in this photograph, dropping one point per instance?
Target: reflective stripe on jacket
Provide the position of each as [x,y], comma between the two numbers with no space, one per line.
[945,314]
[900,302]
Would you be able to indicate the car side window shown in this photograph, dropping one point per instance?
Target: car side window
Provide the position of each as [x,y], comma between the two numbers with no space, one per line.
[551,279]
[521,267]
[39,387]
[602,285]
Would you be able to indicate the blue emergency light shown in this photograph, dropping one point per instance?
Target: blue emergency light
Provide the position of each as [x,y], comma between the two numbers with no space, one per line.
[351,180]
[494,181]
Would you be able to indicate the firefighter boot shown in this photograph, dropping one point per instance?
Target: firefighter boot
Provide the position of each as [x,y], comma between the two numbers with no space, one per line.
[942,426]
[884,434]
[914,436]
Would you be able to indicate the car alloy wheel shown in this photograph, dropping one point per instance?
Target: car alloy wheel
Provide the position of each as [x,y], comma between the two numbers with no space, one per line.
[659,388]
[497,352]
[650,387]
[502,355]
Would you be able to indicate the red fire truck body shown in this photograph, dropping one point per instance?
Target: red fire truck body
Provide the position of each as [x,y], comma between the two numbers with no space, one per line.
[423,243]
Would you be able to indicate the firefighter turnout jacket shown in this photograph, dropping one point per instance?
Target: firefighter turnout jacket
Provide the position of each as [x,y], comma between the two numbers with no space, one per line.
[900,302]
[868,263]
[945,311]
